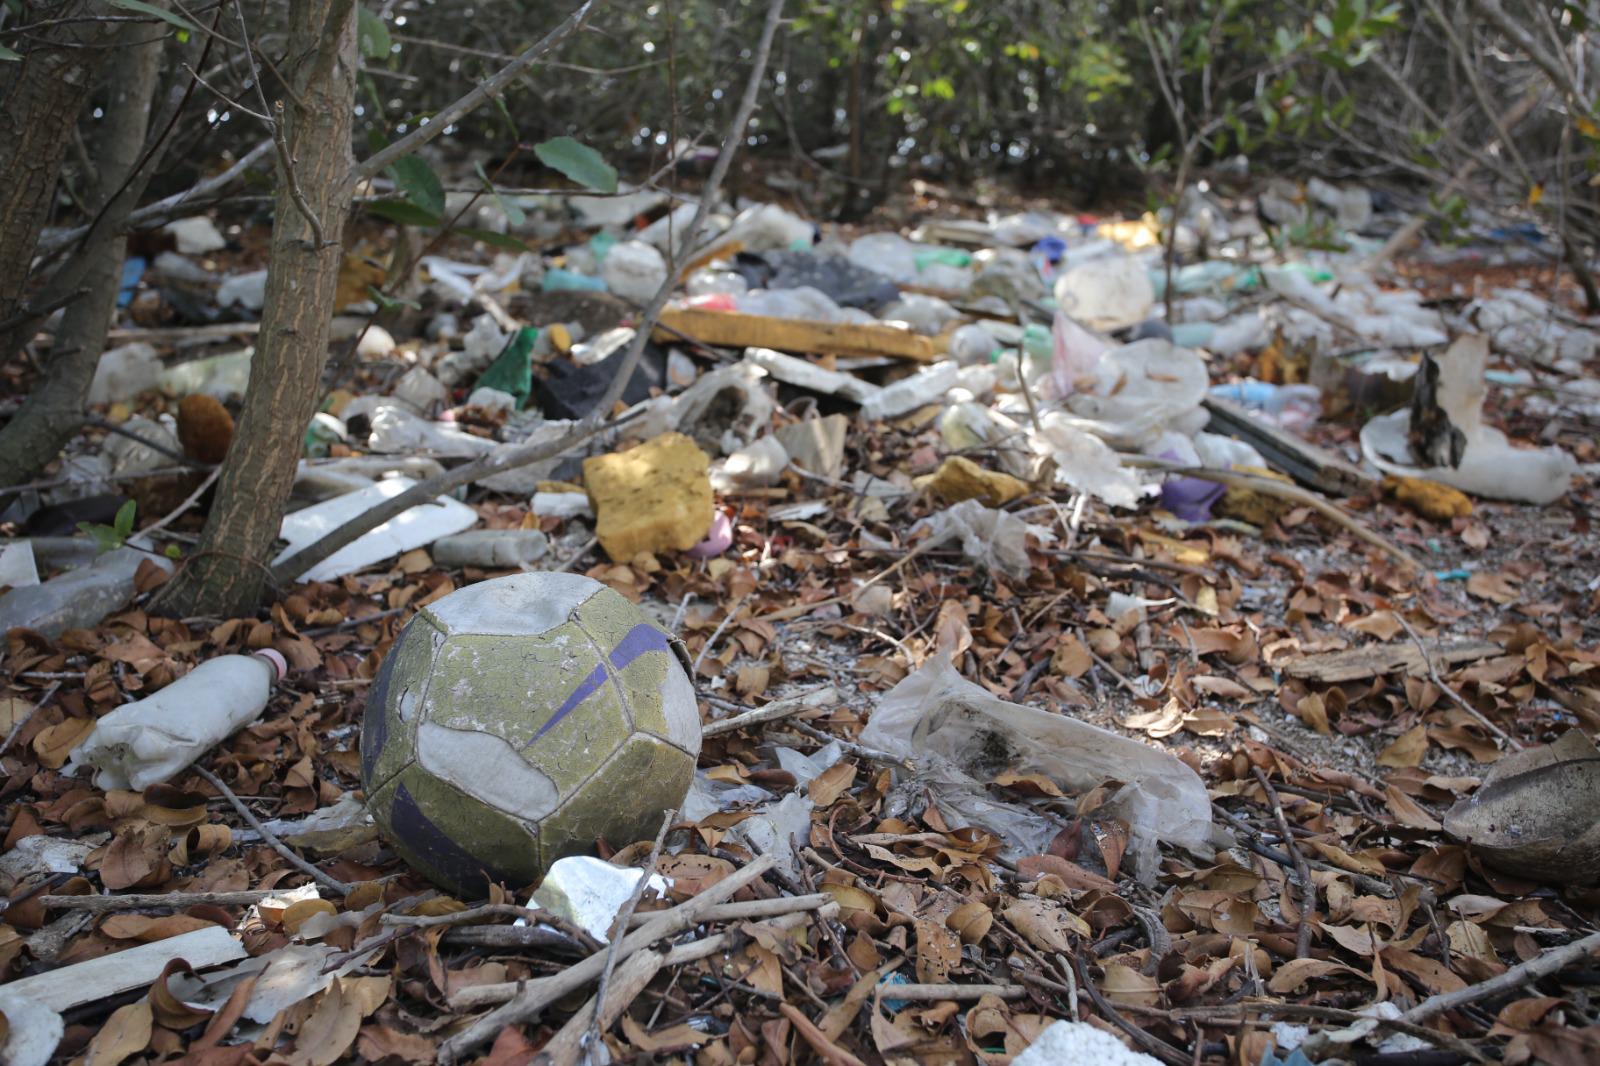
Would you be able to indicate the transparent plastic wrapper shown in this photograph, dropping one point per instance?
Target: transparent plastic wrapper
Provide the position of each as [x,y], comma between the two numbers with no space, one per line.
[925,387]
[959,736]
[1084,461]
[1490,466]
[995,540]
[925,314]
[1141,390]
[1074,354]
[1108,293]
[150,741]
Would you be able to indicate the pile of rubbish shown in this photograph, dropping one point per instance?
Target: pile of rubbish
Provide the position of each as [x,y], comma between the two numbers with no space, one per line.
[1015,362]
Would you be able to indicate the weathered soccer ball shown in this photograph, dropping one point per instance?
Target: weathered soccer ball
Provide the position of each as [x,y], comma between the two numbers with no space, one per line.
[517,721]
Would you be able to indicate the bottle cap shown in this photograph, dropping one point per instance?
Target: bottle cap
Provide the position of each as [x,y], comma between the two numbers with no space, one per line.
[280,665]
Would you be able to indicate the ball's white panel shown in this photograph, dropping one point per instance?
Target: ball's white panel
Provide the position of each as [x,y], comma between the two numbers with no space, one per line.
[682,711]
[519,605]
[486,768]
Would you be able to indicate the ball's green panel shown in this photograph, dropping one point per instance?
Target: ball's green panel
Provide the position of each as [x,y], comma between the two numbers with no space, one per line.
[653,777]
[451,839]
[551,699]
[389,723]
[644,663]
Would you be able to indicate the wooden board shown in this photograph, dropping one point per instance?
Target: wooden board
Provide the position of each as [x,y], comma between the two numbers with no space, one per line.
[729,329]
[111,975]
[1310,465]
[1358,664]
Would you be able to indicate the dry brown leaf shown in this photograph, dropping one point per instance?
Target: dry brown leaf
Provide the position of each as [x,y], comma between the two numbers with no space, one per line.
[1498,588]
[123,1035]
[301,911]
[1381,624]
[1128,987]
[673,1038]
[1028,784]
[135,859]
[1313,712]
[1032,867]
[378,1042]
[146,929]
[1162,723]
[1408,812]
[53,744]
[1071,658]
[167,1008]
[938,952]
[971,921]
[1407,750]
[331,1029]
[1045,924]
[832,783]
[1292,975]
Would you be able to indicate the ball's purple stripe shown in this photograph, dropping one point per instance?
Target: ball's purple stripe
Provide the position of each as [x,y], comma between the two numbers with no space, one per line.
[641,639]
[434,848]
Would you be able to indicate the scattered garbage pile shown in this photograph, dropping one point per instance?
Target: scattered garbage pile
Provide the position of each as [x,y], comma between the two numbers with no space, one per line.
[1086,617]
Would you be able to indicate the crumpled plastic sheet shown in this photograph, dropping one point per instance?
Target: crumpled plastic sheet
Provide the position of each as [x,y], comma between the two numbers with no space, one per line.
[959,736]
[995,540]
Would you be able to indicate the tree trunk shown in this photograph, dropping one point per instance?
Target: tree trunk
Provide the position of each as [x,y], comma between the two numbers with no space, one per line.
[225,574]
[53,412]
[38,107]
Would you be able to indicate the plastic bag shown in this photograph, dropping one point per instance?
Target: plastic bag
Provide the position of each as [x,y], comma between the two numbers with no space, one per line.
[995,540]
[960,736]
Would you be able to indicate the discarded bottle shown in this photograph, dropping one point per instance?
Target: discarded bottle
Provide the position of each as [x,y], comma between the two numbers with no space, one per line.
[78,598]
[153,740]
[491,547]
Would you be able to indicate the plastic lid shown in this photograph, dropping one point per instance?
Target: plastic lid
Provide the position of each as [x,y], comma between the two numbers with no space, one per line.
[280,665]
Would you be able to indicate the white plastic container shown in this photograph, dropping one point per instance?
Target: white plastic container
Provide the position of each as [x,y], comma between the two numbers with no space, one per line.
[151,741]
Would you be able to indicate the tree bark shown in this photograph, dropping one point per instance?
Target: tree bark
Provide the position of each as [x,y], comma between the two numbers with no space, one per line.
[225,574]
[38,106]
[54,410]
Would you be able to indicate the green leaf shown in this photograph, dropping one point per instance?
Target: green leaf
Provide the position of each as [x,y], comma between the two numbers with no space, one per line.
[579,162]
[172,551]
[386,302]
[407,214]
[374,35]
[105,538]
[8,56]
[513,213]
[499,240]
[155,12]
[123,523]
[420,184]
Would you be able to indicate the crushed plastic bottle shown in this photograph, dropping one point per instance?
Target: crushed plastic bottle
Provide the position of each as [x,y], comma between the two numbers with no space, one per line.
[1293,407]
[150,741]
[78,598]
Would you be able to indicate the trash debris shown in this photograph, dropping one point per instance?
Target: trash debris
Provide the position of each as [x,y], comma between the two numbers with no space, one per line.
[82,597]
[414,528]
[1108,293]
[124,373]
[925,387]
[150,741]
[32,1032]
[757,464]
[491,548]
[248,292]
[589,892]
[801,374]
[994,540]
[1079,1044]
[17,567]
[634,271]
[817,444]
[1533,816]
[196,235]
[962,737]
[653,498]
[136,967]
[959,478]
[475,764]
[1488,464]
[725,408]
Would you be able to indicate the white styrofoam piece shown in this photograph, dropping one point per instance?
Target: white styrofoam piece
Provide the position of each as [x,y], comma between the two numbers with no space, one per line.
[415,528]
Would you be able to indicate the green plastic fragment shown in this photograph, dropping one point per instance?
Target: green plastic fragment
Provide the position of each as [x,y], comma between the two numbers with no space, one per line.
[512,370]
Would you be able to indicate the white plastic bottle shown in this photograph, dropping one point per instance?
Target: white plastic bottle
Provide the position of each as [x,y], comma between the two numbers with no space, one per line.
[151,741]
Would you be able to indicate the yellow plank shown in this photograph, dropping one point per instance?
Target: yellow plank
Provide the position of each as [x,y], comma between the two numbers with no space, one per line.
[732,330]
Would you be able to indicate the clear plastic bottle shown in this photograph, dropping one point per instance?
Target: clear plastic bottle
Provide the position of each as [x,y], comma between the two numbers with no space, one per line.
[152,740]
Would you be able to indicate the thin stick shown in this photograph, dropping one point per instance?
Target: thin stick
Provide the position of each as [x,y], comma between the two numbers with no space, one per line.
[717,633]
[535,996]
[832,1053]
[616,933]
[488,89]
[1308,890]
[1516,978]
[1455,698]
[933,993]
[171,516]
[325,880]
[731,140]
[22,723]
[813,700]
[1274,487]
[752,908]
[633,975]
[1160,1048]
[138,901]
